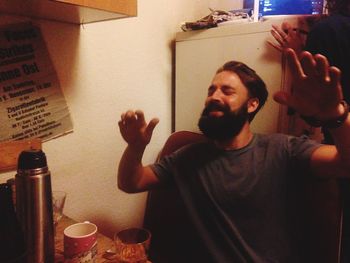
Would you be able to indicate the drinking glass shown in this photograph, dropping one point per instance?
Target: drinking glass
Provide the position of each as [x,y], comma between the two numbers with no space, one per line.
[131,245]
[58,200]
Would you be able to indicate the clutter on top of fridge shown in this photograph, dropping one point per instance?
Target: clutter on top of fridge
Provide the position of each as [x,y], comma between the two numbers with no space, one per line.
[218,16]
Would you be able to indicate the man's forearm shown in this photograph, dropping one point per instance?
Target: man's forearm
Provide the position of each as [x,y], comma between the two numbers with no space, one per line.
[133,177]
[342,142]
[130,169]
[334,160]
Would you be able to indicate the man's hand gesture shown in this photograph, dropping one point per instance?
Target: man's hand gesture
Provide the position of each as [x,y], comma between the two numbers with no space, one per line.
[134,129]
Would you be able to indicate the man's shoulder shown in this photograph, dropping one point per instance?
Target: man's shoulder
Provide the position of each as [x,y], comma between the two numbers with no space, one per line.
[280,137]
[280,141]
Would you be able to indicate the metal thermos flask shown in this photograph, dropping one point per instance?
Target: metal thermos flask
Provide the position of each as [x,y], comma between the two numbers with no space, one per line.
[34,206]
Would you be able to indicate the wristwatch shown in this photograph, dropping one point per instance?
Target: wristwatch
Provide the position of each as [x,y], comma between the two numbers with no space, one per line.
[329,124]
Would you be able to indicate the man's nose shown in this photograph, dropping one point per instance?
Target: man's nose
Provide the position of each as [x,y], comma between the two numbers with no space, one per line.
[216,95]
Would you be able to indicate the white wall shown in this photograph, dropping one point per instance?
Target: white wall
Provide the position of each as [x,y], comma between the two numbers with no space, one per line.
[106,68]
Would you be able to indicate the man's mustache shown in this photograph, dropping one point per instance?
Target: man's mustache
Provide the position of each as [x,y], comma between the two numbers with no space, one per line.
[214,106]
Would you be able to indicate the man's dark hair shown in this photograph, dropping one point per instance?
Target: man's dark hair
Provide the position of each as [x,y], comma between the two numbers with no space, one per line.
[338,6]
[255,85]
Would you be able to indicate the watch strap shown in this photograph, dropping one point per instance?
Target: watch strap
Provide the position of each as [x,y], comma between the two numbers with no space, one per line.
[329,124]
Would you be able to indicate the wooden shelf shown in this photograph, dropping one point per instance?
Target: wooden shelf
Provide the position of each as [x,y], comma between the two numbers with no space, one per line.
[71,11]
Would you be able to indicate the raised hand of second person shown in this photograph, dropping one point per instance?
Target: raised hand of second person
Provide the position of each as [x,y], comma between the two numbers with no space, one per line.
[134,129]
[288,37]
[316,86]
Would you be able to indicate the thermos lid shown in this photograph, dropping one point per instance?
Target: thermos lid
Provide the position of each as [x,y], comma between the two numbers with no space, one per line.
[31,159]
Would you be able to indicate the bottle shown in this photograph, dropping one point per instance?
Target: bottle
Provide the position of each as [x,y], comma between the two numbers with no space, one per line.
[12,246]
[34,205]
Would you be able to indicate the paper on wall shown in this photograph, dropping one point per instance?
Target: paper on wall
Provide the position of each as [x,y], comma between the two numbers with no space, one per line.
[32,104]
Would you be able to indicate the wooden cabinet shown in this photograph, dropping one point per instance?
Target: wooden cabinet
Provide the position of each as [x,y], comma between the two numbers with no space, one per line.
[9,152]
[71,11]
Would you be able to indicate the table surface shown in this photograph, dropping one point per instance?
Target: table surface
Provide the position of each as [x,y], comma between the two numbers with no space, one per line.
[103,243]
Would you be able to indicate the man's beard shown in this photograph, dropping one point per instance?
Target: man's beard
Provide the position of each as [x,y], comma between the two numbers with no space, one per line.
[223,127]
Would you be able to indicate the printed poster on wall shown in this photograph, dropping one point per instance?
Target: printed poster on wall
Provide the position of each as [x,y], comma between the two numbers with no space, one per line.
[32,104]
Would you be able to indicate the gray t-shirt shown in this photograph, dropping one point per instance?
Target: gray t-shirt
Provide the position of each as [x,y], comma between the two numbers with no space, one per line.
[238,199]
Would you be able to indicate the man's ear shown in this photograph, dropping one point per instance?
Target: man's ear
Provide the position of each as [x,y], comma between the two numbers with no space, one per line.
[253,104]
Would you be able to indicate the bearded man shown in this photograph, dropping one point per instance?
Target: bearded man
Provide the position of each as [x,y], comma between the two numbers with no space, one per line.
[234,184]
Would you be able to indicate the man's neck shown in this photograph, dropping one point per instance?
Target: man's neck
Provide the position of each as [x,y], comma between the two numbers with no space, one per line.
[239,141]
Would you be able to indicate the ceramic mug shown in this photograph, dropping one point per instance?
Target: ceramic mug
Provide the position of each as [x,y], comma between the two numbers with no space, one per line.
[80,243]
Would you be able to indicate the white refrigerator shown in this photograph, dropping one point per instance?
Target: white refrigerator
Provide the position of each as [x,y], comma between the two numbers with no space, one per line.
[200,53]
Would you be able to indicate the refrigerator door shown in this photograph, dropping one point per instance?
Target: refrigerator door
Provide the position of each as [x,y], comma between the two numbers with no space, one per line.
[200,53]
